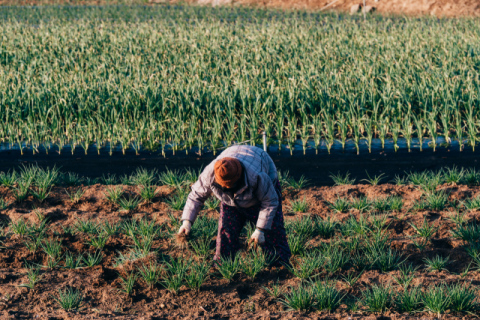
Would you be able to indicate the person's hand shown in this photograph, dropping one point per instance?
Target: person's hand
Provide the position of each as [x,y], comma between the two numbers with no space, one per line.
[185,228]
[257,238]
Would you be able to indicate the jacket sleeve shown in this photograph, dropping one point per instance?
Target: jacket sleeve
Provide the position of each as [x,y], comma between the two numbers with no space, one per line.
[197,197]
[269,201]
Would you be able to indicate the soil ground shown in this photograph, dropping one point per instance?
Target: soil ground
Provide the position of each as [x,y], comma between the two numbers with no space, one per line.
[438,8]
[217,299]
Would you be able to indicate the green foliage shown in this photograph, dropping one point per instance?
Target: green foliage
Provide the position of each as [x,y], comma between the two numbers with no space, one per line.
[150,273]
[307,266]
[472,204]
[8,179]
[69,179]
[175,273]
[437,263]
[69,299]
[340,205]
[91,260]
[130,204]
[115,113]
[375,180]
[128,283]
[463,298]
[325,227]
[378,298]
[406,275]
[276,290]
[33,276]
[228,267]
[113,194]
[469,233]
[197,274]
[175,179]
[53,248]
[361,204]
[212,203]
[99,241]
[143,177]
[327,297]
[425,231]
[254,262]
[76,195]
[71,262]
[86,226]
[409,301]
[147,192]
[297,242]
[299,184]
[437,201]
[437,299]
[178,199]
[299,206]
[453,175]
[109,180]
[340,180]
[301,298]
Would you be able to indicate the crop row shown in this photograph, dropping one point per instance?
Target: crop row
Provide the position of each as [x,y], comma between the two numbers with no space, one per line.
[180,78]
[37,182]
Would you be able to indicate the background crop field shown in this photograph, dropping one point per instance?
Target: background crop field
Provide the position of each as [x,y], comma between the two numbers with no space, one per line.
[176,77]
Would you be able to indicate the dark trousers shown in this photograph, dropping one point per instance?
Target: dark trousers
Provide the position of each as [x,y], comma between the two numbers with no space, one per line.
[232,221]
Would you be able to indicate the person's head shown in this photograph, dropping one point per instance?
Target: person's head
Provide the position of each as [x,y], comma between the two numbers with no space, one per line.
[228,173]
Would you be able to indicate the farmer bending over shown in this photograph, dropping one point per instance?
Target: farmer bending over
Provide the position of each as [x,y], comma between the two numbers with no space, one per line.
[245,179]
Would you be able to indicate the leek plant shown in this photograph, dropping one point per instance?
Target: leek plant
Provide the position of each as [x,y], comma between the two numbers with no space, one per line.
[143,92]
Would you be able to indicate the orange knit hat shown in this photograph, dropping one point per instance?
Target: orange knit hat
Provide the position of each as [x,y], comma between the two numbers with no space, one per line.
[227,171]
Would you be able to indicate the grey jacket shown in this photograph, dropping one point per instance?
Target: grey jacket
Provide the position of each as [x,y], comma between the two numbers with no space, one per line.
[260,175]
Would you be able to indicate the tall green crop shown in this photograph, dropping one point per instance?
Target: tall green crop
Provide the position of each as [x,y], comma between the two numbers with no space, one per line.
[193,79]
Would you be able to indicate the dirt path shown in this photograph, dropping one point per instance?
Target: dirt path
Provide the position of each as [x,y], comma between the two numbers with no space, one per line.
[438,8]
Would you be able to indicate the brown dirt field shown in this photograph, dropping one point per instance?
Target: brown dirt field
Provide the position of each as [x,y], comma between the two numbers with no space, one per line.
[217,298]
[439,8]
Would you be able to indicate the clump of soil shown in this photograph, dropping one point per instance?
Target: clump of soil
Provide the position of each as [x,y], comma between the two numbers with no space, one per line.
[181,240]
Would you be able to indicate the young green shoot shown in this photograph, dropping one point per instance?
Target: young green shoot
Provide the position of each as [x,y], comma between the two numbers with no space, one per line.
[378,299]
[75,196]
[276,290]
[113,194]
[33,276]
[375,180]
[299,206]
[307,266]
[91,260]
[150,273]
[129,205]
[228,267]
[325,227]
[175,273]
[69,299]
[437,263]
[340,180]
[406,275]
[128,283]
[197,274]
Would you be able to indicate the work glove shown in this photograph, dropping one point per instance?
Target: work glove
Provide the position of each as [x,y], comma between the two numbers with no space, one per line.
[185,228]
[257,238]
